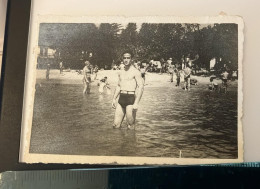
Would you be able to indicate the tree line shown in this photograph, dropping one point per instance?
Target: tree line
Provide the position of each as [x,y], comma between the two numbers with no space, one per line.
[104,44]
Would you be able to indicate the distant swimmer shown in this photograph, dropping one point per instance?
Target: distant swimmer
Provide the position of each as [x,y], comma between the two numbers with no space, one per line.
[61,67]
[178,76]
[103,84]
[143,69]
[213,86]
[129,89]
[187,73]
[224,75]
[86,77]
[159,67]
[95,71]
[171,71]
[48,71]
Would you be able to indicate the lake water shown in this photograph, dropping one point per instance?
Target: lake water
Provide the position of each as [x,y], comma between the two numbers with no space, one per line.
[199,123]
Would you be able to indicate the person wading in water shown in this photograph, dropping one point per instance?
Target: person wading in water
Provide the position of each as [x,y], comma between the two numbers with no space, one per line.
[129,89]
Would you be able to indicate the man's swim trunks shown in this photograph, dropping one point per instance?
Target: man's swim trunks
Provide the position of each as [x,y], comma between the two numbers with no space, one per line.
[126,99]
[88,80]
[187,77]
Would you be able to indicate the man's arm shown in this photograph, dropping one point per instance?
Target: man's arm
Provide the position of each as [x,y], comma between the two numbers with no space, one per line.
[140,83]
[117,91]
[84,74]
[146,68]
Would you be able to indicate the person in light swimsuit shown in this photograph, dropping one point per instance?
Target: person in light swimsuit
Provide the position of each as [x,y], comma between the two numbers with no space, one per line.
[187,73]
[103,84]
[86,77]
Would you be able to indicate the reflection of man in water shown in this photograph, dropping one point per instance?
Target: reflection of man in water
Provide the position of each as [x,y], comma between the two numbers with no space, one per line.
[130,89]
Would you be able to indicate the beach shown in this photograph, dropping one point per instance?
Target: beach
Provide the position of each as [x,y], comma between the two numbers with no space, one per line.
[151,79]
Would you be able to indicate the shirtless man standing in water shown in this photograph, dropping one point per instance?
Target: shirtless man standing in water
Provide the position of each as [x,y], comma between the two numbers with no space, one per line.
[129,89]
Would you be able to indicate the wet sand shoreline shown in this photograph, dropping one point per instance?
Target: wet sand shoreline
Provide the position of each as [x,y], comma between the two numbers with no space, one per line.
[152,79]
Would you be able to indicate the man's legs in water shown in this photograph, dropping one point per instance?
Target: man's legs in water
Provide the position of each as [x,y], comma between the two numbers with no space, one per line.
[130,117]
[85,87]
[188,84]
[119,116]
[185,83]
[88,88]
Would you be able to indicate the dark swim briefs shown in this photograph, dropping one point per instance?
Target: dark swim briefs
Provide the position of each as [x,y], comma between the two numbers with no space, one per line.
[88,80]
[187,77]
[126,99]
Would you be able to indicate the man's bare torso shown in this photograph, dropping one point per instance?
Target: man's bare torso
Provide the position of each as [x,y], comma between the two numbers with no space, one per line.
[127,79]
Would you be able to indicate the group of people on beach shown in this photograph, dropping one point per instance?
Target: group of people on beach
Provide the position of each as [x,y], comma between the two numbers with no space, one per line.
[159,66]
[87,71]
[181,69]
[131,80]
[214,86]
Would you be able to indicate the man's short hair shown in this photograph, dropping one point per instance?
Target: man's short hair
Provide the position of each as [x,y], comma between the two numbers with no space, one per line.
[128,52]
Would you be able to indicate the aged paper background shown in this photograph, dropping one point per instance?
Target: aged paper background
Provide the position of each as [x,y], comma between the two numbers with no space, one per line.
[25,156]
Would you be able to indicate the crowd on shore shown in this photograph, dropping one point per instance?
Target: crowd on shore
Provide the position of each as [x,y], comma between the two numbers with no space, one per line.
[179,71]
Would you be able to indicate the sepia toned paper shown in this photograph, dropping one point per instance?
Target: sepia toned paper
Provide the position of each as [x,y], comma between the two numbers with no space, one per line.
[173,125]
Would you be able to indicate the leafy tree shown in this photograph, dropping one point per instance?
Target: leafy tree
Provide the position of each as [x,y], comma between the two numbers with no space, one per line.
[106,43]
[74,42]
[147,40]
[226,44]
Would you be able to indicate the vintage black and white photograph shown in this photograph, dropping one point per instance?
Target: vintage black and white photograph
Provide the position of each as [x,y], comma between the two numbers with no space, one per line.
[134,91]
